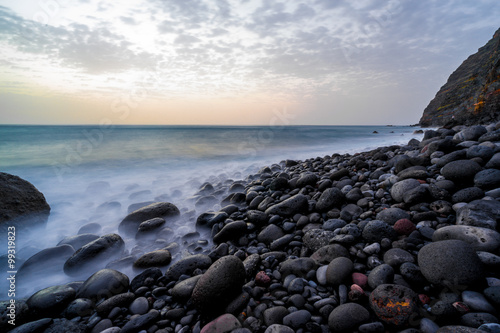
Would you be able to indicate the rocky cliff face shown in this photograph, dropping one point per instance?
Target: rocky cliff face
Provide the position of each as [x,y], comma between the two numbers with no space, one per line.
[472,93]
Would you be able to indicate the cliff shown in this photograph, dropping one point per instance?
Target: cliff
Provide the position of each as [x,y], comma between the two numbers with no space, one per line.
[472,93]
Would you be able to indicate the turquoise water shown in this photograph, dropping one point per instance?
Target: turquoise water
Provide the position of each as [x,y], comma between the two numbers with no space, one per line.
[153,163]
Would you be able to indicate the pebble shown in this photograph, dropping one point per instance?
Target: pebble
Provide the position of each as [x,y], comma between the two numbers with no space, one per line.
[139,306]
[347,317]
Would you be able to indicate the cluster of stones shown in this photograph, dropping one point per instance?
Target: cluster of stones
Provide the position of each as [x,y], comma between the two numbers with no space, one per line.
[398,239]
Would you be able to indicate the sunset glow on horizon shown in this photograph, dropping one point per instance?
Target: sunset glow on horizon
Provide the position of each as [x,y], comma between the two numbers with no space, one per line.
[228,62]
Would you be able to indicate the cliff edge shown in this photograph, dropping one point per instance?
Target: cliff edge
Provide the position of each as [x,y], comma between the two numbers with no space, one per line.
[472,93]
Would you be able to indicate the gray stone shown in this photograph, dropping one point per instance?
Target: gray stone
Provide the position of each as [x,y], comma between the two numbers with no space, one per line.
[392,215]
[120,300]
[158,258]
[296,204]
[315,239]
[21,203]
[396,257]
[298,267]
[230,231]
[494,162]
[350,212]
[187,265]
[450,263]
[458,329]
[34,326]
[270,233]
[139,306]
[347,317]
[339,270]
[493,294]
[49,302]
[130,224]
[47,262]
[471,133]
[274,315]
[307,179]
[78,241]
[104,284]
[382,274]
[184,289]
[480,213]
[140,322]
[461,171]
[219,284]
[476,319]
[208,219]
[331,197]
[467,194]
[481,239]
[399,189]
[483,152]
[276,328]
[327,253]
[151,274]
[477,302]
[94,255]
[376,230]
[487,179]
[297,319]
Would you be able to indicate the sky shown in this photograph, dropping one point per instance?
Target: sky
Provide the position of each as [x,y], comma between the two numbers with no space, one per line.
[232,62]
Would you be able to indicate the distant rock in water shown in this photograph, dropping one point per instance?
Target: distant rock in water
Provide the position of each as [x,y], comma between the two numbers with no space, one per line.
[472,93]
[20,202]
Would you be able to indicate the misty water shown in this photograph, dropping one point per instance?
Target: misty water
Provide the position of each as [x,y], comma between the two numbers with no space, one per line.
[91,174]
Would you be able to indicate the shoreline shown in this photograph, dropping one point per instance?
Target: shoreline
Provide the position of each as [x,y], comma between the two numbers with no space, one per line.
[309,227]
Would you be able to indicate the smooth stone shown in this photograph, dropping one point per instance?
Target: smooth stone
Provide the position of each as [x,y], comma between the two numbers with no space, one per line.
[209,219]
[491,328]
[481,239]
[492,293]
[298,267]
[321,274]
[103,325]
[375,327]
[339,270]
[477,302]
[399,189]
[270,233]
[450,262]
[428,326]
[476,319]
[487,179]
[104,284]
[94,255]
[230,231]
[79,307]
[45,263]
[347,317]
[458,329]
[274,315]
[327,253]
[297,319]
[223,324]
[136,324]
[33,326]
[331,197]
[158,258]
[49,302]
[184,289]
[152,274]
[467,195]
[78,241]
[121,300]
[396,257]
[130,224]
[139,306]
[382,274]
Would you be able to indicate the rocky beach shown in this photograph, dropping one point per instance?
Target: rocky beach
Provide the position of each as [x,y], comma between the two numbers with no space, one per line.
[397,239]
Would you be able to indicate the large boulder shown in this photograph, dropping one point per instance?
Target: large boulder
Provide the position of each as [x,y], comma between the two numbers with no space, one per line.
[104,284]
[220,284]
[450,263]
[330,197]
[49,302]
[187,265]
[130,224]
[480,213]
[21,203]
[95,255]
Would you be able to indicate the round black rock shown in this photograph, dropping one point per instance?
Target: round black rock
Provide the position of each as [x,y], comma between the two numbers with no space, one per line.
[347,317]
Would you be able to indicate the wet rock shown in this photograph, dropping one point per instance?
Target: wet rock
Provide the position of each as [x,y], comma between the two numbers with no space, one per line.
[21,203]
[450,263]
[94,255]
[270,233]
[78,241]
[47,262]
[477,302]
[393,304]
[347,317]
[296,204]
[139,306]
[467,194]
[130,224]
[257,217]
[104,284]
[208,219]
[34,326]
[183,290]
[151,274]
[158,258]
[297,319]
[298,267]
[49,302]
[396,257]
[477,319]
[315,239]
[230,231]
[219,284]
[481,239]
[187,265]
[120,300]
[79,307]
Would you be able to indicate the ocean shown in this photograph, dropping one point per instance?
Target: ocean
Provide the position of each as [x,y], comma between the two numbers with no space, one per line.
[80,169]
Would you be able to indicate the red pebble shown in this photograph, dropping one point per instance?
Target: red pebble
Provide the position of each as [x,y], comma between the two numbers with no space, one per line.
[360,279]
[424,299]
[461,307]
[404,227]
[262,279]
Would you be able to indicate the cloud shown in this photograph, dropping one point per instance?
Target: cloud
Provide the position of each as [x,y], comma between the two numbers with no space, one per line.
[128,20]
[92,50]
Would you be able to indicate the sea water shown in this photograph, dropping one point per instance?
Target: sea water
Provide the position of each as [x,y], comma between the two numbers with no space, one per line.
[80,169]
